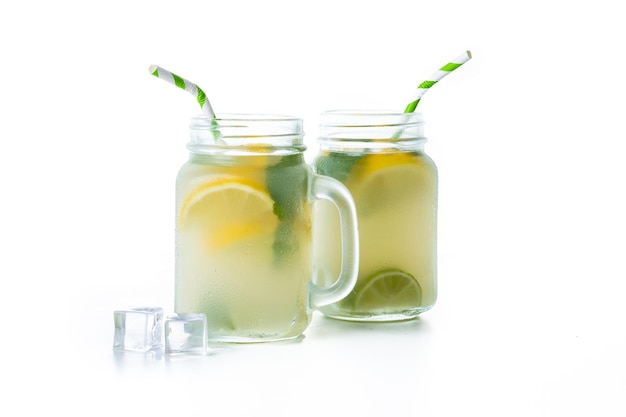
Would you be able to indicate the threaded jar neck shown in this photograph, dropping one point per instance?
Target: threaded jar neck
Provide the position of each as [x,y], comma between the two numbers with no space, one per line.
[241,134]
[370,131]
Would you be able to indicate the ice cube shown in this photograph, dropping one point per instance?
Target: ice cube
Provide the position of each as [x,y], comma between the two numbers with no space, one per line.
[138,329]
[186,333]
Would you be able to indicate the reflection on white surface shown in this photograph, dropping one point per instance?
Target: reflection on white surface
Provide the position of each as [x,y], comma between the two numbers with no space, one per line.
[336,367]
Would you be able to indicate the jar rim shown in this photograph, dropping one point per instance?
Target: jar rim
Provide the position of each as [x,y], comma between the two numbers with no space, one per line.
[238,131]
[369,118]
[253,117]
[370,131]
[370,112]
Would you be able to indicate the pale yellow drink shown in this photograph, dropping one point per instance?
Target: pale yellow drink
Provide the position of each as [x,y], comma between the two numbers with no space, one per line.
[238,263]
[244,233]
[394,186]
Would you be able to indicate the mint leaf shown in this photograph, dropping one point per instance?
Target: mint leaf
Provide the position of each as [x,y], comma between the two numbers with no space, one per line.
[287,184]
[336,164]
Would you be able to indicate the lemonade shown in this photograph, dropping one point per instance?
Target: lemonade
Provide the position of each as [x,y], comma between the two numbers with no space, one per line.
[240,244]
[394,186]
[244,231]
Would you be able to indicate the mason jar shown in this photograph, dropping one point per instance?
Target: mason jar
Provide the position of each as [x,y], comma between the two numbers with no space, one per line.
[380,157]
[244,249]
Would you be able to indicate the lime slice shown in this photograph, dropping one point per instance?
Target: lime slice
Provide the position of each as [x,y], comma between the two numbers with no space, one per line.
[387,291]
[226,209]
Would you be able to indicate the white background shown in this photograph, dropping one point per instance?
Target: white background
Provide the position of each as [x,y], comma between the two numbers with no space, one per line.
[528,137]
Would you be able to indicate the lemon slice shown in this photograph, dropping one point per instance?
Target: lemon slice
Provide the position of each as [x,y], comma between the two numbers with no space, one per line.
[387,188]
[372,163]
[226,209]
[389,290]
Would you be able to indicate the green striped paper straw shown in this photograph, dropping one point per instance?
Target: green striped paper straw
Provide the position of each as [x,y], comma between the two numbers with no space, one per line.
[188,86]
[438,75]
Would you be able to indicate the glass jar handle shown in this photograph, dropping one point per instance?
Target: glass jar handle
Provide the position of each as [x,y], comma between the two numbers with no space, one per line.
[330,189]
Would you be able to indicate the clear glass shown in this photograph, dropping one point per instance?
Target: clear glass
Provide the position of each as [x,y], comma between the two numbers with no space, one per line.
[244,250]
[380,158]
